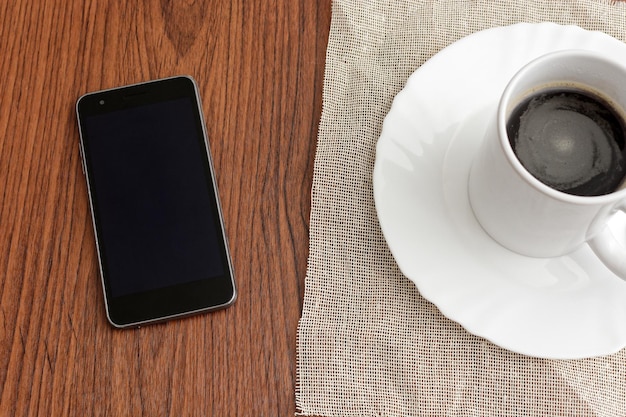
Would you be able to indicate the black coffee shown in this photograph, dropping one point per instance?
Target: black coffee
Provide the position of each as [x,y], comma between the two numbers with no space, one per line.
[570,140]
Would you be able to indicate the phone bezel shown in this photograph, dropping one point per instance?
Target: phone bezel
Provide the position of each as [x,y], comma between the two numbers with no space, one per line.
[179,300]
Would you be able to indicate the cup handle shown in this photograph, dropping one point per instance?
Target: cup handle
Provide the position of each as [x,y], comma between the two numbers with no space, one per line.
[610,251]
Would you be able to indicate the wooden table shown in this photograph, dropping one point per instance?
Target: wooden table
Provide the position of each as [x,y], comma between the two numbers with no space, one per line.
[259,65]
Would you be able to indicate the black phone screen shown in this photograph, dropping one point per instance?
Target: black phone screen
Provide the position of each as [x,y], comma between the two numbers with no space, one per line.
[158,226]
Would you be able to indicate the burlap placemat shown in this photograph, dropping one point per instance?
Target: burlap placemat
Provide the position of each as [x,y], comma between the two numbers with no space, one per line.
[368,343]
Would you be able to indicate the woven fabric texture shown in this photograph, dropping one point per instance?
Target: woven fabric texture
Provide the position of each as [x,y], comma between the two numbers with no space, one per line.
[368,343]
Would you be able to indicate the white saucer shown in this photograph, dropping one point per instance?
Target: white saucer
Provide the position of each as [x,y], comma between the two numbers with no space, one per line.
[561,308]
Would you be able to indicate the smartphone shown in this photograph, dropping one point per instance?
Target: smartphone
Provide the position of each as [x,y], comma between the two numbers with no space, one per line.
[159,231]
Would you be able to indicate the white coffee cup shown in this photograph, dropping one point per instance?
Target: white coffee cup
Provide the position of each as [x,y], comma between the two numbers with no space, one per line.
[521,212]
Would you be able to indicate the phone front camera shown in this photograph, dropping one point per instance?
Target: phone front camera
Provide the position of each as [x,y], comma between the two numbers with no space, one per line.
[101,102]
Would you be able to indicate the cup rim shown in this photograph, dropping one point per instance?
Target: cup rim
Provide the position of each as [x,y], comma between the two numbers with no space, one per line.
[508,150]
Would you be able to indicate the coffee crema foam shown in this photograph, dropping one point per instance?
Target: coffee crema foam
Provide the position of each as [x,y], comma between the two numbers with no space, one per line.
[570,140]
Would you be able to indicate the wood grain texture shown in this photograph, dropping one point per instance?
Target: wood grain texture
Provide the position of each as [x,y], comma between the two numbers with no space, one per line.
[259,65]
